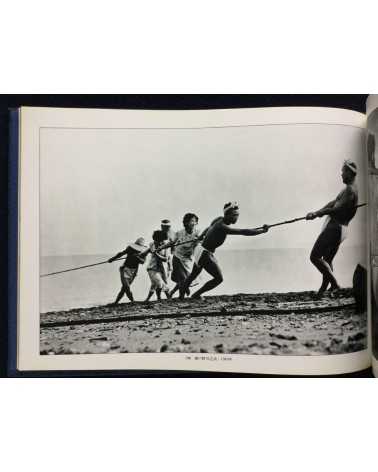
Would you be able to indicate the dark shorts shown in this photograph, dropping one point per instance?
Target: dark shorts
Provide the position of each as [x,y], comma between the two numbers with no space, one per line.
[128,274]
[328,242]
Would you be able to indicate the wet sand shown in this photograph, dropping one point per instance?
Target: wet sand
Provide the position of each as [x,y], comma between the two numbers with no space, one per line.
[278,324]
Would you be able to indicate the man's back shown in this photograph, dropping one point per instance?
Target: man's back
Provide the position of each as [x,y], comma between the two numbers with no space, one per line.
[215,235]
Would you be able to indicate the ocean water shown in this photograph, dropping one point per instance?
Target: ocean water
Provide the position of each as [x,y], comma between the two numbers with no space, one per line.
[250,271]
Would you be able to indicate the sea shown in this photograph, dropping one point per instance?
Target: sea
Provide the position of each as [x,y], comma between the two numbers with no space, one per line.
[244,271]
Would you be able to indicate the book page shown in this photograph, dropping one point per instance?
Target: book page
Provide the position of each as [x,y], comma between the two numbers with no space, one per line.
[372,154]
[219,240]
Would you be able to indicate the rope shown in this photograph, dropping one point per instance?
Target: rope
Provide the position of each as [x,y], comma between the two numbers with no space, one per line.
[301,218]
[170,245]
[77,268]
[119,259]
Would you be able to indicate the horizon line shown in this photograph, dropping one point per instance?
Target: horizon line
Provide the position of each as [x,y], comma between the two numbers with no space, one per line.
[218,250]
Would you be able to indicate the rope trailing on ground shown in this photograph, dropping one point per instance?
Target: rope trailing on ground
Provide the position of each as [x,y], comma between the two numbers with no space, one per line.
[170,245]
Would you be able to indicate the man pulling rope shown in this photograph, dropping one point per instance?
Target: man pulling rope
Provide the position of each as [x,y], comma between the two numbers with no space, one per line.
[212,238]
[339,213]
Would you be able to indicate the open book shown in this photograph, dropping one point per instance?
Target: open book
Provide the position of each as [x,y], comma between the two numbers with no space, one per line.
[218,240]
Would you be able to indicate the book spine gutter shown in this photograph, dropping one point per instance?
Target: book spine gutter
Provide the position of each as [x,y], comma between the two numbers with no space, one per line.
[13,165]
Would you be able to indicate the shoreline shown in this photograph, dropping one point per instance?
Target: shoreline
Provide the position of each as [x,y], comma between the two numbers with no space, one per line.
[294,323]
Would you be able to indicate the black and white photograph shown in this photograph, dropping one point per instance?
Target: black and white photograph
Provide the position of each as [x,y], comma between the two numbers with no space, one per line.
[373,220]
[208,240]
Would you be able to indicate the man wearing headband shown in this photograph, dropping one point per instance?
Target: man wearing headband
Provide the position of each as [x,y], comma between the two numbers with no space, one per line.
[339,213]
[212,238]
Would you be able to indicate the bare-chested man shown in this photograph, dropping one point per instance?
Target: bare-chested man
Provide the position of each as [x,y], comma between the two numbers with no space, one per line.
[212,238]
[339,213]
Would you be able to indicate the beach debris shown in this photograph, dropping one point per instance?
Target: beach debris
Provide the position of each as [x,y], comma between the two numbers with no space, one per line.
[102,347]
[283,336]
[237,349]
[311,343]
[357,337]
[147,349]
[148,305]
[294,333]
[178,348]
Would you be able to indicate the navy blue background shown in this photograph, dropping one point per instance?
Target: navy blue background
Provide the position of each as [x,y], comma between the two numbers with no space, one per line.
[174,102]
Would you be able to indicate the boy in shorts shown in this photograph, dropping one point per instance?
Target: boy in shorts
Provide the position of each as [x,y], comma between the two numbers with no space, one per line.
[157,266]
[136,254]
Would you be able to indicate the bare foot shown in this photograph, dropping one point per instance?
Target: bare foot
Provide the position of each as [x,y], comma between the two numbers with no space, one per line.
[323,287]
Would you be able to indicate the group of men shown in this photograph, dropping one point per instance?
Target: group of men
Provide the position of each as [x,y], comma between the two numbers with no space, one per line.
[188,252]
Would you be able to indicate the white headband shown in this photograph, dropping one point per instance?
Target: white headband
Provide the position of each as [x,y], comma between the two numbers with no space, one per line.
[230,206]
[351,166]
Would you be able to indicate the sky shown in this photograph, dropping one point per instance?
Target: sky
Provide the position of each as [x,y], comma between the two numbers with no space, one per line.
[102,189]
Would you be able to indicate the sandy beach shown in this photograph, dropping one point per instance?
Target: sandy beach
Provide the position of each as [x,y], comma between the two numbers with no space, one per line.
[278,324]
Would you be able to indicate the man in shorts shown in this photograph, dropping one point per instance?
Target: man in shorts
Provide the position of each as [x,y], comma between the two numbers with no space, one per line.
[339,214]
[212,238]
[182,261]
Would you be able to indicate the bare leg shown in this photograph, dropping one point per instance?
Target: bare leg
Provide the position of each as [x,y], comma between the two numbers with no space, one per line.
[322,254]
[211,266]
[119,296]
[329,259]
[174,290]
[150,293]
[328,276]
[184,291]
[325,282]
[185,286]
[126,287]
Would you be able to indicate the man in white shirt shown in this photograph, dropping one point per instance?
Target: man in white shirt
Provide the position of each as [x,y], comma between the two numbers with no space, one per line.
[182,261]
